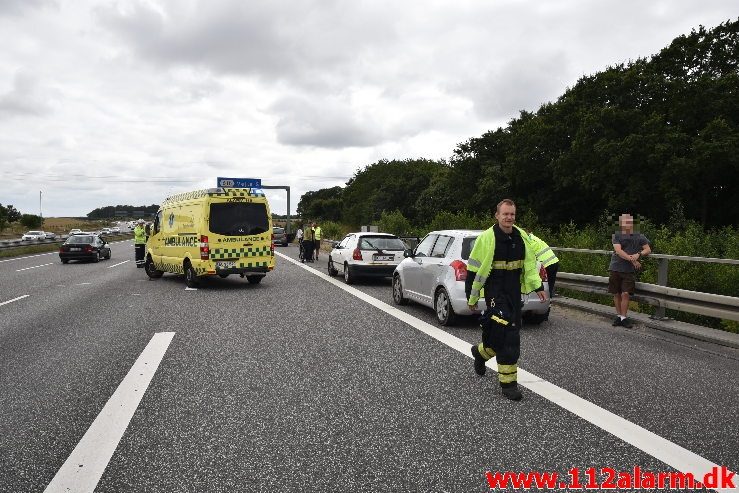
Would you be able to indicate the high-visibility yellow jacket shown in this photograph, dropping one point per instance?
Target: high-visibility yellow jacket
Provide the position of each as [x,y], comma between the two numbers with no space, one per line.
[139,235]
[481,263]
[544,253]
[317,233]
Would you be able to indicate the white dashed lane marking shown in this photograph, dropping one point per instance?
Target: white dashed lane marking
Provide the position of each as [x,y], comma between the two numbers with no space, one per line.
[14,299]
[83,469]
[34,267]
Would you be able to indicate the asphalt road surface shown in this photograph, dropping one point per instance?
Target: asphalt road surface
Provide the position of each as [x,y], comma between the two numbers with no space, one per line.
[296,384]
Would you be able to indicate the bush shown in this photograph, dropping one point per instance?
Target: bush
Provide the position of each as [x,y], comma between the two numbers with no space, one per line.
[31,221]
[333,231]
[395,223]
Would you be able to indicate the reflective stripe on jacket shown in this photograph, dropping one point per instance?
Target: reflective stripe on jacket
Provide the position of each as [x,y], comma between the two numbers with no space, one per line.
[481,264]
[544,253]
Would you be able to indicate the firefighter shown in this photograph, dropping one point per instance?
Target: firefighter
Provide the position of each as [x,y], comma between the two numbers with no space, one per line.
[503,262]
[139,241]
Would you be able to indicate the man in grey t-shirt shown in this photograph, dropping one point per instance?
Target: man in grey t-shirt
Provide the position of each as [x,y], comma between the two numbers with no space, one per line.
[628,249]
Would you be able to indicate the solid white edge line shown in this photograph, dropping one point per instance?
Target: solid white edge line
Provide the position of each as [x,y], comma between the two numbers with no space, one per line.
[119,263]
[15,299]
[652,444]
[83,469]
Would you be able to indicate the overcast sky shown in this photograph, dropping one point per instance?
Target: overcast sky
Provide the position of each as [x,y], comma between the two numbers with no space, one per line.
[126,102]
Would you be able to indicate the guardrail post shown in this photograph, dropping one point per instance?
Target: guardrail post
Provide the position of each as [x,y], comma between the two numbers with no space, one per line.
[659,313]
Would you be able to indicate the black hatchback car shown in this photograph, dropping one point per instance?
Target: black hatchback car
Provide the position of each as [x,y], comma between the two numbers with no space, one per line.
[84,247]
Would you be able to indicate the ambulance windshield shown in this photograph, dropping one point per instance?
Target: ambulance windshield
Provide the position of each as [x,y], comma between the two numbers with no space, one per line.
[238,219]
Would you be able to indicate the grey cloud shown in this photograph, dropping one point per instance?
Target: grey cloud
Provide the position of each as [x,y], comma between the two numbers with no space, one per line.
[25,98]
[278,39]
[523,83]
[323,123]
[16,7]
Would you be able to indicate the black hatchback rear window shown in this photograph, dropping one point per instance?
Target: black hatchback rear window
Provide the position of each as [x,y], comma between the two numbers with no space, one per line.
[79,240]
[238,219]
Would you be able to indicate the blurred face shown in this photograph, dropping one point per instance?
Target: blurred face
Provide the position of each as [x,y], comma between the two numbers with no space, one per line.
[506,216]
[626,221]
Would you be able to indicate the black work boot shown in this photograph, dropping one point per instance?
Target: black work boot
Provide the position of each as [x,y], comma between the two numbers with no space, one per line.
[510,391]
[480,367]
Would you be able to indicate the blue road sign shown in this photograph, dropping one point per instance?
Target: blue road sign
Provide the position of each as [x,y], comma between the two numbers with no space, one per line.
[239,182]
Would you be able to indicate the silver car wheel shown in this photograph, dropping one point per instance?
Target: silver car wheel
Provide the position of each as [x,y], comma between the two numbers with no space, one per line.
[398,297]
[442,306]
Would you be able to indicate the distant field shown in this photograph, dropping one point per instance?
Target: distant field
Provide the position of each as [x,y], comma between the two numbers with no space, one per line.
[56,225]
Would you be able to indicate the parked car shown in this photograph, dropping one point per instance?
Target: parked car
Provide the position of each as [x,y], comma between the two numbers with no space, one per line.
[84,247]
[279,236]
[434,274]
[50,235]
[115,229]
[34,236]
[105,231]
[366,255]
[74,231]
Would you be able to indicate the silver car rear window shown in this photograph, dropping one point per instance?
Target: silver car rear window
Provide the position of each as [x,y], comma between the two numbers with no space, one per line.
[467,245]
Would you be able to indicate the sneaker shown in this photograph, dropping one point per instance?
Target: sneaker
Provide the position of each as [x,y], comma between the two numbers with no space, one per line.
[626,323]
[480,367]
[616,321]
[512,393]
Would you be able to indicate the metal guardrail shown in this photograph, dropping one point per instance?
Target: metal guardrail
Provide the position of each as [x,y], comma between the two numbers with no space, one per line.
[659,295]
[7,244]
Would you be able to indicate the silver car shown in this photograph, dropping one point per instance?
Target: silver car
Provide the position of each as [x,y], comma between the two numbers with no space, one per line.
[434,275]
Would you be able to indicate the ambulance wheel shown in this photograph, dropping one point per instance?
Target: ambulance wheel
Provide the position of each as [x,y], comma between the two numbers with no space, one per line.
[398,297]
[191,278]
[444,310]
[151,271]
[254,279]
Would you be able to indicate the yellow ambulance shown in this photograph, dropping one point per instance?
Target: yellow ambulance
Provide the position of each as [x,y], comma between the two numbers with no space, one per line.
[212,232]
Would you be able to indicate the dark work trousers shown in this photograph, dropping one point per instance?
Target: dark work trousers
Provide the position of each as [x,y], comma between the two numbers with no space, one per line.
[308,250]
[140,248]
[317,247]
[552,277]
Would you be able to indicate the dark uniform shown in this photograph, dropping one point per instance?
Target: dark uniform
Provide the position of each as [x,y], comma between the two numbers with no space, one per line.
[503,286]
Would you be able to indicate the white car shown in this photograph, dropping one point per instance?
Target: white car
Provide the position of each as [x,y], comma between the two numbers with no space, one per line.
[74,231]
[366,255]
[33,236]
[434,275]
[115,229]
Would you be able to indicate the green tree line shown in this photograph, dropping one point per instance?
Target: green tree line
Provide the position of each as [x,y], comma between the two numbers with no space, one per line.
[648,136]
[110,210]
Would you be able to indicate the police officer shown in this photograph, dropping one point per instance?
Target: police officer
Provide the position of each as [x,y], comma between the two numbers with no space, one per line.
[503,262]
[317,238]
[308,242]
[139,241]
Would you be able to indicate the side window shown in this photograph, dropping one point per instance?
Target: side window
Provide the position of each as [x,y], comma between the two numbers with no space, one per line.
[427,244]
[157,222]
[441,247]
[344,242]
